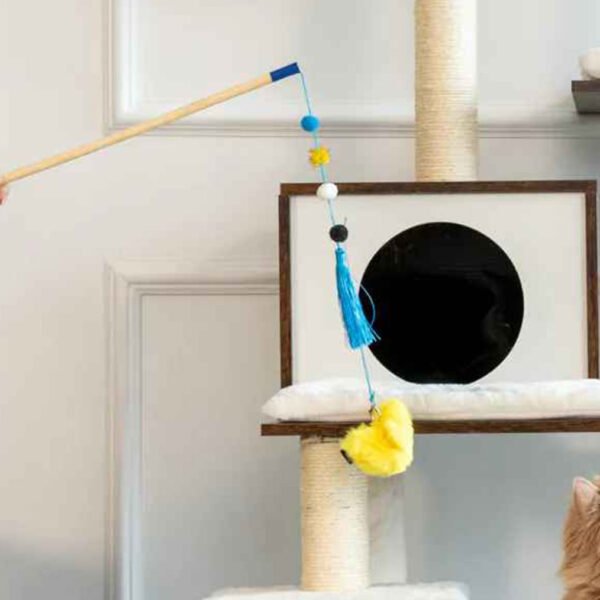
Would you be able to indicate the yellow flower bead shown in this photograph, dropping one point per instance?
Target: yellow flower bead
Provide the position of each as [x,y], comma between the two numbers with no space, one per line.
[319,156]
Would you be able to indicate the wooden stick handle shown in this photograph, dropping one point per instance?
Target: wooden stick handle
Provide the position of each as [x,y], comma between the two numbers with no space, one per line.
[140,128]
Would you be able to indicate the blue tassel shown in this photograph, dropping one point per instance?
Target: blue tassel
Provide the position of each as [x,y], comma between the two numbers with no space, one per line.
[359,331]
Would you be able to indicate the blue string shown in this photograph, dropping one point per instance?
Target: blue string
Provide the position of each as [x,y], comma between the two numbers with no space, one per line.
[365,366]
[317,142]
[371,302]
[331,212]
[324,176]
[323,172]
[363,358]
[306,94]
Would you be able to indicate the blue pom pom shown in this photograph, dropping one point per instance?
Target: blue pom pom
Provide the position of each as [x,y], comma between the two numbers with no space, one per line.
[310,123]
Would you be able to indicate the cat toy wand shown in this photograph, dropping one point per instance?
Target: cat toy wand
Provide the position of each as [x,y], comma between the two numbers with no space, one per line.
[359,331]
[149,125]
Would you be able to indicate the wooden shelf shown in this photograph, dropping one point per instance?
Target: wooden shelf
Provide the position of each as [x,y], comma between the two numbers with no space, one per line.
[586,95]
[338,429]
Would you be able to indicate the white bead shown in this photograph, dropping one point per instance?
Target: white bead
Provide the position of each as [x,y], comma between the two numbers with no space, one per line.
[327,191]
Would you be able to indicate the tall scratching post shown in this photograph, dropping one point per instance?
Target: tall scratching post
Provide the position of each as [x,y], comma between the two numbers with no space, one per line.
[335,520]
[446,90]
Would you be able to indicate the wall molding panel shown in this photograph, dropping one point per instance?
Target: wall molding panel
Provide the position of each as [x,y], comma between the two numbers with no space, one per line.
[124,105]
[127,283]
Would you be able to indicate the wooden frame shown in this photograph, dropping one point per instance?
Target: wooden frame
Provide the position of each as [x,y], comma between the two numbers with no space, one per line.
[338,429]
[586,187]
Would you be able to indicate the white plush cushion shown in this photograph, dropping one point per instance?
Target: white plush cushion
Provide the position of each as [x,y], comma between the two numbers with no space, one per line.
[432,591]
[346,400]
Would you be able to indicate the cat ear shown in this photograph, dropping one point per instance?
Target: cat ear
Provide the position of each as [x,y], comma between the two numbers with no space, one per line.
[584,493]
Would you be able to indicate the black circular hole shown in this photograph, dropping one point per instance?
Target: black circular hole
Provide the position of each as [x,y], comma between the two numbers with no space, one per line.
[448,304]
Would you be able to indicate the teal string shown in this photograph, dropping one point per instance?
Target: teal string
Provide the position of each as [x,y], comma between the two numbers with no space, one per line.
[324,176]
[365,366]
[317,142]
[306,94]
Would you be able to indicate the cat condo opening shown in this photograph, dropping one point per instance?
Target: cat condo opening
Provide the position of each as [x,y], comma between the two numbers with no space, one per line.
[449,304]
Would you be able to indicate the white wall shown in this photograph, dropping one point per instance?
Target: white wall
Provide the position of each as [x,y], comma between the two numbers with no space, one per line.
[487,510]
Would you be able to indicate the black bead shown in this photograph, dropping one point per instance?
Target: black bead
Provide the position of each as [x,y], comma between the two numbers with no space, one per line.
[338,233]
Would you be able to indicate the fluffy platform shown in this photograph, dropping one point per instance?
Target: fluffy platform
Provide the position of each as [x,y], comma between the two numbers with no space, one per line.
[432,591]
[346,400]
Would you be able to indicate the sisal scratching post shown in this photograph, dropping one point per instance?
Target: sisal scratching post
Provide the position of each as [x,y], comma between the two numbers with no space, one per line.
[335,520]
[446,90]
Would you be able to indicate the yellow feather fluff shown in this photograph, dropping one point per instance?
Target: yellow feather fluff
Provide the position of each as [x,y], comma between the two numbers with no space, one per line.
[385,446]
[319,156]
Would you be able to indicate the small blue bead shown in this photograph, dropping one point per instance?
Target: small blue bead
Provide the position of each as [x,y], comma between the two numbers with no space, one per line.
[310,123]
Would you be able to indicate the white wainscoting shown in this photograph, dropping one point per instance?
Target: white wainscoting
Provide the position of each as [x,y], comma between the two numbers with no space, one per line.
[172,331]
[359,59]
[144,305]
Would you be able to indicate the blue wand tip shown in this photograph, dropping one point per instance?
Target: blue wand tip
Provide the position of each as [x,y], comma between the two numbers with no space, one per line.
[283,72]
